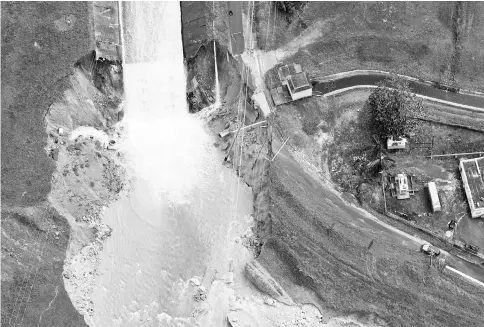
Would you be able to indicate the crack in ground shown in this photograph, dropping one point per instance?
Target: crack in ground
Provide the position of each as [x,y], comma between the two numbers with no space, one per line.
[50,303]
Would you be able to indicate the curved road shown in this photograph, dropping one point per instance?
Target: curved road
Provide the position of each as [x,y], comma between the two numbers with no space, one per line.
[424,88]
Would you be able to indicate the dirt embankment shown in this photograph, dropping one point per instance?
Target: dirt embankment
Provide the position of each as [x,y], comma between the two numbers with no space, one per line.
[247,160]
[40,43]
[82,132]
[83,129]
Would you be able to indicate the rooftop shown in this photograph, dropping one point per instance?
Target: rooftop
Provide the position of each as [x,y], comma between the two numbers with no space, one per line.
[298,82]
[288,70]
[471,172]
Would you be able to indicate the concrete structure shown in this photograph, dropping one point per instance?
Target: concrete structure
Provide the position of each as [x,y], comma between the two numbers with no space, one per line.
[194,26]
[280,95]
[296,81]
[237,42]
[471,172]
[107,30]
[396,144]
[261,101]
[434,197]
[402,187]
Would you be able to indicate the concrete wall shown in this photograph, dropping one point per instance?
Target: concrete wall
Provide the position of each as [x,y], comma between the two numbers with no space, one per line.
[301,94]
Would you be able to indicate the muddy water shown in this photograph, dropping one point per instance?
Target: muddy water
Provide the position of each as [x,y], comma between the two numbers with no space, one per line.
[180,218]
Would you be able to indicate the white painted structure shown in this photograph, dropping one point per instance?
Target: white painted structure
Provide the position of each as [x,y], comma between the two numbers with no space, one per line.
[402,187]
[396,144]
[470,171]
[434,197]
[296,81]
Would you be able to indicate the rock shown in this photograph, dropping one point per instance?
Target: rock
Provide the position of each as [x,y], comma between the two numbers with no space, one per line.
[194,281]
[201,294]
[261,278]
[60,131]
[228,278]
[54,154]
[241,319]
[269,301]
[323,125]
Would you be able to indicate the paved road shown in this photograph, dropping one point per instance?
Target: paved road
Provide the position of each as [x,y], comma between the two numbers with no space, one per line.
[236,30]
[417,87]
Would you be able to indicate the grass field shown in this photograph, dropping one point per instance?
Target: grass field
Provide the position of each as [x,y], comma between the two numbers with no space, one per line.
[412,38]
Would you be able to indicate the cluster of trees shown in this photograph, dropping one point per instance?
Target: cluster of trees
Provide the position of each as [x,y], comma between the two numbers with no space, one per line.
[291,9]
[393,108]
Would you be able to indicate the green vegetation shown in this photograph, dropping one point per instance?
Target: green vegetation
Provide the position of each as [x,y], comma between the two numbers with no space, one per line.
[37,60]
[291,9]
[412,38]
[393,108]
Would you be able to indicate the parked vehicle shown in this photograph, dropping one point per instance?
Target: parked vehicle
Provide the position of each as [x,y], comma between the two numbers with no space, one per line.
[472,248]
[430,249]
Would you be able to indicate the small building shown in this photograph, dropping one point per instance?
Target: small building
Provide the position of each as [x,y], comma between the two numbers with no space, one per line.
[296,81]
[399,144]
[471,173]
[403,191]
[434,197]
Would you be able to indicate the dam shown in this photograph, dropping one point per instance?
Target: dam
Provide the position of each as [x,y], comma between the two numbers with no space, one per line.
[179,221]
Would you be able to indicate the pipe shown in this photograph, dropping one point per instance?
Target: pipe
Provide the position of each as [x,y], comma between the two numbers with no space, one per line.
[453,154]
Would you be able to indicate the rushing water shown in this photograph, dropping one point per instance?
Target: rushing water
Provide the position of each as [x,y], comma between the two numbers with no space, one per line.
[178,219]
[217,83]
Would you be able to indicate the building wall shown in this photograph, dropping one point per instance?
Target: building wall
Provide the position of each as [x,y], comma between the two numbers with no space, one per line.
[302,94]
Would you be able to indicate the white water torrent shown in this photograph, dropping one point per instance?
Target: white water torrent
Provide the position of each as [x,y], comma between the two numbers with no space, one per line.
[177,221]
[217,85]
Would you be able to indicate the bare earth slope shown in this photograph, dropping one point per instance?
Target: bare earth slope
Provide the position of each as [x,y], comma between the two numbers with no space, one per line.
[320,242]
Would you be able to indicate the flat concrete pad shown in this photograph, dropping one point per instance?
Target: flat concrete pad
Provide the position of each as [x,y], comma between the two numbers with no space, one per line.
[280,95]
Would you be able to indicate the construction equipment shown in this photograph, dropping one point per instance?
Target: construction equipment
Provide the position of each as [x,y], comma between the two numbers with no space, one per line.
[402,187]
[396,144]
[472,248]
[430,249]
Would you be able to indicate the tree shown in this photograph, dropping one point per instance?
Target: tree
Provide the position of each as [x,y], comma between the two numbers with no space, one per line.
[292,8]
[393,108]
